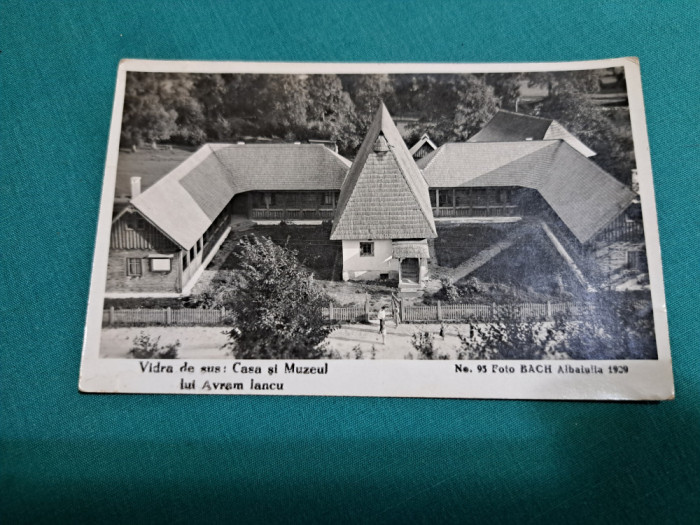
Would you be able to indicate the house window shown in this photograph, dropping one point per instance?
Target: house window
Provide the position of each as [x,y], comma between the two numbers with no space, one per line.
[199,245]
[366,249]
[445,198]
[133,267]
[185,262]
[192,253]
[328,198]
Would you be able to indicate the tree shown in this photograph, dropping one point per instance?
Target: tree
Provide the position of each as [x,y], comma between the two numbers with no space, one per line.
[146,118]
[276,305]
[580,116]
[367,92]
[506,87]
[454,107]
[281,103]
[330,112]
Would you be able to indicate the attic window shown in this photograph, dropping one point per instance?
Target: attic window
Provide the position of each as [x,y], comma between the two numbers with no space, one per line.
[134,223]
[366,249]
[381,145]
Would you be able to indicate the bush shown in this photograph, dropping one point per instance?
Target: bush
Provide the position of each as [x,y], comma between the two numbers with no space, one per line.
[146,348]
[275,304]
[449,290]
[424,343]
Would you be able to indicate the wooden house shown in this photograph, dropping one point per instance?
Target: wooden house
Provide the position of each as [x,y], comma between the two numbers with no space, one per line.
[423,147]
[546,178]
[506,126]
[383,205]
[384,217]
[164,238]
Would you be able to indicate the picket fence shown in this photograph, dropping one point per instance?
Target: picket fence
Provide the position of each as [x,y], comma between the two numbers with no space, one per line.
[354,313]
[164,316]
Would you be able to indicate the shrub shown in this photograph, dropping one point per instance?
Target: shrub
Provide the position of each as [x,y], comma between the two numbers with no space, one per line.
[357,352]
[424,343]
[449,290]
[275,304]
[146,348]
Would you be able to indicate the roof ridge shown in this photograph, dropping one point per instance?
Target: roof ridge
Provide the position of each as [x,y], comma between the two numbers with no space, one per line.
[438,152]
[170,176]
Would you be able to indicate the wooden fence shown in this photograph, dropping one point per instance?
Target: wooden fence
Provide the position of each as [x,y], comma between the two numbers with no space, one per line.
[485,312]
[355,313]
[164,316]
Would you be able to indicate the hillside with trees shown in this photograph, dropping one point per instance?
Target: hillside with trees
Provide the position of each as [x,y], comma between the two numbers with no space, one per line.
[191,109]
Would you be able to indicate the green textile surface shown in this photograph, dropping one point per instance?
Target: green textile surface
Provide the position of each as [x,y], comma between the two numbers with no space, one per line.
[68,457]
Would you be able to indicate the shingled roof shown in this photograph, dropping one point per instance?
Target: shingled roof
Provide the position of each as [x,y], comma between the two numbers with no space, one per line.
[384,195]
[184,202]
[423,141]
[584,196]
[507,126]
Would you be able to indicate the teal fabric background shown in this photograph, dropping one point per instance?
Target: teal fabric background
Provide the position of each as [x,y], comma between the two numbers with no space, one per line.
[68,457]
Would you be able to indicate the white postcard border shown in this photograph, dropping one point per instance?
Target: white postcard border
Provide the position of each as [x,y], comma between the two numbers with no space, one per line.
[645,379]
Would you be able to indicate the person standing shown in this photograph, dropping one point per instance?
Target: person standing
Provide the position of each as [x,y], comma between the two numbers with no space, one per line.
[382,323]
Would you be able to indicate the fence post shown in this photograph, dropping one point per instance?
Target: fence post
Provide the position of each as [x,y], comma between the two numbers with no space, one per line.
[330,311]
[367,307]
[403,309]
[168,316]
[494,310]
[223,313]
[439,311]
[111,315]
[549,309]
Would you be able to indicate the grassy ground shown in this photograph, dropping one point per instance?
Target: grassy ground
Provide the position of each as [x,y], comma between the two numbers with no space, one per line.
[314,249]
[530,270]
[148,164]
[456,243]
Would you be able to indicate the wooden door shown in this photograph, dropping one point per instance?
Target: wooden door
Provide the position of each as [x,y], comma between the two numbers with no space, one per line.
[410,270]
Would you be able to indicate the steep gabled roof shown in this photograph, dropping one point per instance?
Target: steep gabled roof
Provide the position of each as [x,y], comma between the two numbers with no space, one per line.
[584,196]
[184,202]
[506,126]
[384,195]
[424,140]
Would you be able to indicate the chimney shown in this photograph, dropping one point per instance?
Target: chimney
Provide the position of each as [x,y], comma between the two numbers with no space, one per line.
[135,187]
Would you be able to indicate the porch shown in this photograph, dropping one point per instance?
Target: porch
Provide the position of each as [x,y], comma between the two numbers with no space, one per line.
[292,205]
[475,202]
[413,263]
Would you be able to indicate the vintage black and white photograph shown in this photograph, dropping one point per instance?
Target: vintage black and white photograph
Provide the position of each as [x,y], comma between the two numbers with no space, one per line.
[478,218]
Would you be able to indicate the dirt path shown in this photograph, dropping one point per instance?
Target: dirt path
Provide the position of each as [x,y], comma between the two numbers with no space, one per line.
[206,342]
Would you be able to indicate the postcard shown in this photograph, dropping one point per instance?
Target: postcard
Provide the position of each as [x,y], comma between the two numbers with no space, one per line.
[399,230]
